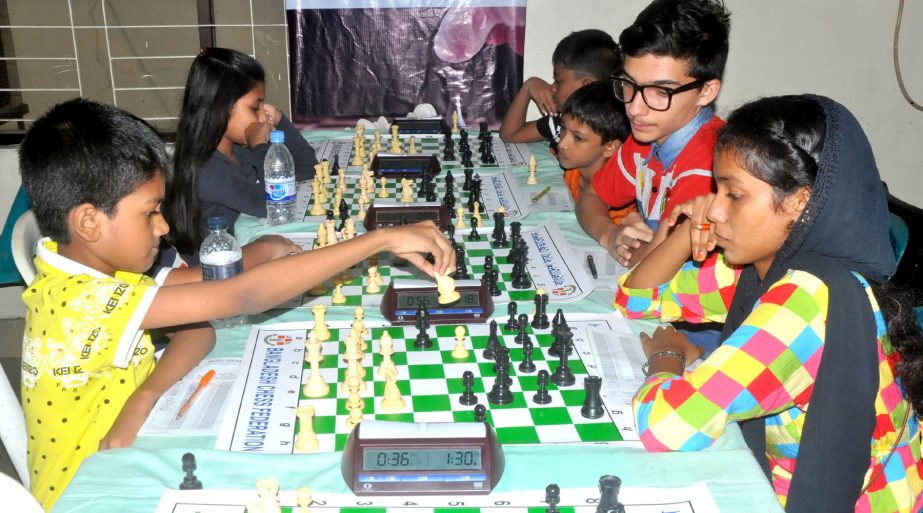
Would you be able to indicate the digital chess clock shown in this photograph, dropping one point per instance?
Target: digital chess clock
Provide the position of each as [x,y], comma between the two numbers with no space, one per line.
[422,458]
[420,125]
[403,298]
[381,214]
[399,166]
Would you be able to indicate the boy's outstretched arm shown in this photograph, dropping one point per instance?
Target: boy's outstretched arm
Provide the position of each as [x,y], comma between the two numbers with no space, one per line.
[619,241]
[264,249]
[264,286]
[514,128]
[186,349]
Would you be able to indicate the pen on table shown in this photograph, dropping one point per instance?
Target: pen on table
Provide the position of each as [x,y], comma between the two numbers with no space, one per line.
[195,393]
[541,194]
[592,265]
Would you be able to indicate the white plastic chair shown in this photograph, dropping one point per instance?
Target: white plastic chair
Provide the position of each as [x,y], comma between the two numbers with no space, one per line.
[16,497]
[13,429]
[25,235]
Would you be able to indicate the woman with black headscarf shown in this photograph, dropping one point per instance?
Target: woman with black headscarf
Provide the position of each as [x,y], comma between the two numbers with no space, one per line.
[823,388]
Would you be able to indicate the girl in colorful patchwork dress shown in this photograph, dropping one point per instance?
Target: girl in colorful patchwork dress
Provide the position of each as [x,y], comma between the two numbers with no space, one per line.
[821,363]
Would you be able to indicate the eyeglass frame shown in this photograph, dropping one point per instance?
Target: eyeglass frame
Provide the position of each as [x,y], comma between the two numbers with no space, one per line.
[695,84]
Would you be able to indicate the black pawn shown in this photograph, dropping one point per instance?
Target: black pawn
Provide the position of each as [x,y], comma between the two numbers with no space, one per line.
[421,321]
[523,335]
[512,323]
[493,289]
[552,497]
[480,413]
[493,341]
[190,481]
[592,404]
[474,235]
[488,263]
[450,233]
[461,270]
[526,364]
[540,321]
[468,398]
[500,394]
[563,376]
[609,487]
[542,396]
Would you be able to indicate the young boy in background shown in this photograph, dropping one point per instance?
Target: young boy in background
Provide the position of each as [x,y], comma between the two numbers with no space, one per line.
[581,58]
[674,56]
[94,175]
[594,128]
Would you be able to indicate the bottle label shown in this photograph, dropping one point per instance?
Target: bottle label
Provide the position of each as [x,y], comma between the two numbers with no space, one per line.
[221,272]
[280,190]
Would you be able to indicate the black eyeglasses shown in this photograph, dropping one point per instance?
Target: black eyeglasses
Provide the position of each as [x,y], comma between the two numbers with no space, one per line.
[656,97]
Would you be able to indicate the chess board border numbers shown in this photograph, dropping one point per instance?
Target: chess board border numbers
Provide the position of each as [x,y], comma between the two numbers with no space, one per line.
[553,265]
[260,416]
[695,498]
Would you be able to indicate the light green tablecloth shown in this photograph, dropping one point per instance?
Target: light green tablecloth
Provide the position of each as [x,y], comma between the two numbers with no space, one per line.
[133,479]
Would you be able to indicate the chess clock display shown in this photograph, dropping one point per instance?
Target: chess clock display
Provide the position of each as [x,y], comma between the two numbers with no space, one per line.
[382,214]
[400,166]
[420,125]
[403,298]
[422,458]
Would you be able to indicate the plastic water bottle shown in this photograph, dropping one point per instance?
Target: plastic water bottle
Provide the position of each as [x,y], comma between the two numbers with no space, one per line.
[220,257]
[279,177]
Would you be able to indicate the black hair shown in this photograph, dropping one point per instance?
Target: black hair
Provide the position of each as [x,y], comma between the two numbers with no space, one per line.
[217,78]
[596,106]
[697,30]
[589,53]
[778,140]
[80,152]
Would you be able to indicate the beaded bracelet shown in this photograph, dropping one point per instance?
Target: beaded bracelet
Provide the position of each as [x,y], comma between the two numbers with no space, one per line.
[672,354]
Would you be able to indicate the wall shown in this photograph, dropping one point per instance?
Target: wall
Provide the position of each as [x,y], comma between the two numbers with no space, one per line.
[838,48]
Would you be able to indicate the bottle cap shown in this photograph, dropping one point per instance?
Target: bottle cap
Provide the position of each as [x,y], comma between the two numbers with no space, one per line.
[217,223]
[276,136]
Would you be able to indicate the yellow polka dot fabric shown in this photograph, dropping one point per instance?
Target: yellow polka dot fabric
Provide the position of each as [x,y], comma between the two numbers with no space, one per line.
[83,356]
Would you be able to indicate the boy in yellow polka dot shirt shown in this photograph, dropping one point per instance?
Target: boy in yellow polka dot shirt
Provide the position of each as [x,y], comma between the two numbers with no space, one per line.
[94,176]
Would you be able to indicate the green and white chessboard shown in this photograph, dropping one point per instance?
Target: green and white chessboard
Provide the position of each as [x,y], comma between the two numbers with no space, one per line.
[552,266]
[696,498]
[498,189]
[507,155]
[268,387]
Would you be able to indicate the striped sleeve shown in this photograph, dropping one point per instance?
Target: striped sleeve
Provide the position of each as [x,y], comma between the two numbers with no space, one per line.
[766,366]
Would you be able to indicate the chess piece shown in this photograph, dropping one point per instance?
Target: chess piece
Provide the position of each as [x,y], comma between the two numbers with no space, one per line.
[338,297]
[562,375]
[540,319]
[533,167]
[460,352]
[455,121]
[526,365]
[317,209]
[477,212]
[460,212]
[354,399]
[500,394]
[268,491]
[468,398]
[592,403]
[383,188]
[303,498]
[190,481]
[609,487]
[306,439]
[542,396]
[523,334]
[512,323]
[355,417]
[492,341]
[386,349]
[480,413]
[421,322]
[446,286]
[392,400]
[552,497]
[320,322]
[374,282]
[473,235]
[412,147]
[315,386]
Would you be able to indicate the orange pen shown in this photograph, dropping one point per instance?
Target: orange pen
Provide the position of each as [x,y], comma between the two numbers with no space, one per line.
[195,393]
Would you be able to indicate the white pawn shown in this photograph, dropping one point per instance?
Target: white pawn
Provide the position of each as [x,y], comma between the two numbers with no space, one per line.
[338,297]
[533,167]
[460,214]
[331,232]
[392,400]
[383,189]
[303,497]
[374,284]
[386,349]
[349,230]
[412,150]
[354,383]
[268,490]
[460,352]
[361,214]
[355,417]
[455,121]
[321,239]
[306,439]
[320,322]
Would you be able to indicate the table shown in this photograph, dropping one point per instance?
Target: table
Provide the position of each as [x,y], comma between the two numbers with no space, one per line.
[133,479]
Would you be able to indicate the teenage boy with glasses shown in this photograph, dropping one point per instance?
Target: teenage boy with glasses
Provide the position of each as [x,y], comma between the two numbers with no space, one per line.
[674,55]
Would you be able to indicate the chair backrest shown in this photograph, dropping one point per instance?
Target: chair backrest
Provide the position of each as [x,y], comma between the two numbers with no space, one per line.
[909,243]
[25,235]
[13,428]
[16,497]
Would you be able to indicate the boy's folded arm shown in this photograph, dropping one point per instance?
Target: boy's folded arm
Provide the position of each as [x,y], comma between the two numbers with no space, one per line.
[186,349]
[514,128]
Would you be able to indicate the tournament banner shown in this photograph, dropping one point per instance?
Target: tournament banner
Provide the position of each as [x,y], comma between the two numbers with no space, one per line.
[355,59]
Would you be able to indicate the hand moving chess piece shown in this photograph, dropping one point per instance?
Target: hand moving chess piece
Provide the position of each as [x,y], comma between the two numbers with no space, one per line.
[446,286]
